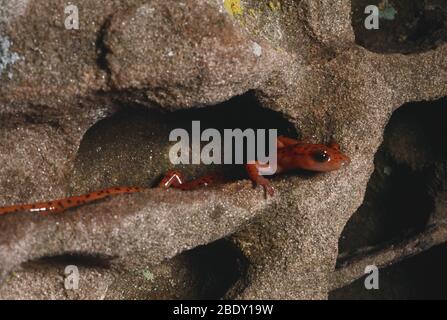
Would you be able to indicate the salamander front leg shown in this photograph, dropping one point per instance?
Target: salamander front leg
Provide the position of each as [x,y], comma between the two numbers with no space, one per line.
[257,179]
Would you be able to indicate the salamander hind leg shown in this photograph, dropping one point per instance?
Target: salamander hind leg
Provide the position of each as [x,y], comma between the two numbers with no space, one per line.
[204,181]
[176,180]
[172,178]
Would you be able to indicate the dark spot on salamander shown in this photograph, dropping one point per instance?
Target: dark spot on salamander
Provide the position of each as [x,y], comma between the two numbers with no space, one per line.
[68,201]
[60,204]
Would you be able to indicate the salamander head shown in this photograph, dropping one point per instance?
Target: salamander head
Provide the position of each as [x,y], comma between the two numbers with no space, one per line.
[324,158]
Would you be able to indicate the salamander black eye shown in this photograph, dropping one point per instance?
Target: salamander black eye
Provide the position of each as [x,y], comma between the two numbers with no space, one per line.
[321,156]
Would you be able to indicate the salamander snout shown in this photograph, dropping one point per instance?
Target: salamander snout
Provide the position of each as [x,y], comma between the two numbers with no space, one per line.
[327,158]
[344,160]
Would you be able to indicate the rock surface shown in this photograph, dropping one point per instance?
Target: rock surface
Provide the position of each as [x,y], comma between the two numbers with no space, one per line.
[298,58]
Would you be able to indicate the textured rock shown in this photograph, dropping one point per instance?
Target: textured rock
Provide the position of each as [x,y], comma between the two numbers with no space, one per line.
[184,54]
[299,58]
[39,144]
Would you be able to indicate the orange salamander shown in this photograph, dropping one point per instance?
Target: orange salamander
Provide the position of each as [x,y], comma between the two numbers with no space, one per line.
[291,154]
[60,205]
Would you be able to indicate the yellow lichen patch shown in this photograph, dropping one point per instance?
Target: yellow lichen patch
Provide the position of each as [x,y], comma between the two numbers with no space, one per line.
[233,7]
[274,5]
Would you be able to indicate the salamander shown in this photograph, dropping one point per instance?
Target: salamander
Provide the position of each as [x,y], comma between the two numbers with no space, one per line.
[291,154]
[57,206]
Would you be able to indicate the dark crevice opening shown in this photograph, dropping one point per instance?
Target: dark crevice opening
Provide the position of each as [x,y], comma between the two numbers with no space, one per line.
[402,190]
[205,272]
[420,277]
[408,185]
[131,147]
[406,193]
[101,48]
[77,259]
[404,27]
[216,267]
